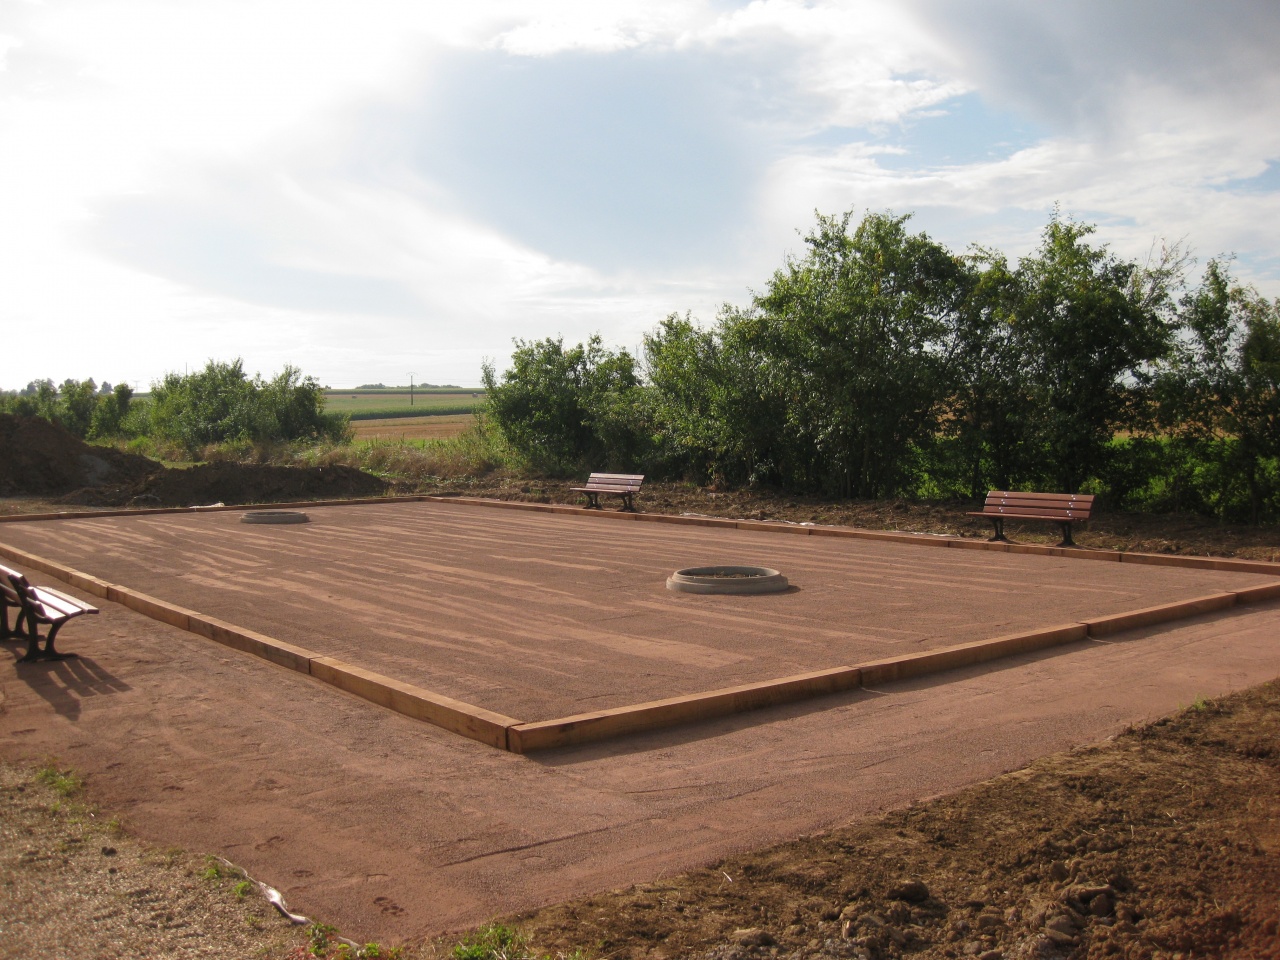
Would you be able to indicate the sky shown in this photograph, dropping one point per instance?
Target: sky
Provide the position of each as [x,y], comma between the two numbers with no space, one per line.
[381,189]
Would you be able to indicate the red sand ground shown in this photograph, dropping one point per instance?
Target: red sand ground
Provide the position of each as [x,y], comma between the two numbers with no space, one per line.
[537,616]
[391,828]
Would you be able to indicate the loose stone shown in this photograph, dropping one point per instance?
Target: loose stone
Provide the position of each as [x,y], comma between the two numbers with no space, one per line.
[753,937]
[912,891]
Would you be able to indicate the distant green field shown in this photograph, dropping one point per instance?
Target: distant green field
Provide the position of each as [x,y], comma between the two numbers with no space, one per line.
[384,404]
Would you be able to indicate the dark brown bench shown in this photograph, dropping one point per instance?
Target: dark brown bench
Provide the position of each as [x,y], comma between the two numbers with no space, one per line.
[36,605]
[1064,509]
[624,485]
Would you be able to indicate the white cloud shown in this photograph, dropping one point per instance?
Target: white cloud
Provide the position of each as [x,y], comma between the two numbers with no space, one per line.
[337,184]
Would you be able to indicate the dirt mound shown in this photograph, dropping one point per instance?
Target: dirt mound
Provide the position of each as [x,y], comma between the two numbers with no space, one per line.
[233,483]
[41,457]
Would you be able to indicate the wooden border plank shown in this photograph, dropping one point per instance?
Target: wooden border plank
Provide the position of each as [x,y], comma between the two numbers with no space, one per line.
[691,708]
[1147,616]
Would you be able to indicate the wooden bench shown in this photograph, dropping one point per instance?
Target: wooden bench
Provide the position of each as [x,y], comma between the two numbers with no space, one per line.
[36,605]
[1064,509]
[624,485]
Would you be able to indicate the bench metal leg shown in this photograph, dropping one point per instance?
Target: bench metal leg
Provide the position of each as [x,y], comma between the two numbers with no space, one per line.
[1066,536]
[998,523]
[627,505]
[17,631]
[593,500]
[34,652]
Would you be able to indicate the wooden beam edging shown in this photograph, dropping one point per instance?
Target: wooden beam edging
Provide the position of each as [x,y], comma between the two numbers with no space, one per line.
[508,733]
[469,721]
[674,711]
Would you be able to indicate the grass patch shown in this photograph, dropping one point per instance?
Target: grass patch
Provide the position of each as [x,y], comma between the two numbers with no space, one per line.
[492,942]
[66,783]
[361,405]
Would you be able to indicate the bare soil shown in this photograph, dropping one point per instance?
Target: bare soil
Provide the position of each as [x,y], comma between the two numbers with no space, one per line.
[45,467]
[41,459]
[230,483]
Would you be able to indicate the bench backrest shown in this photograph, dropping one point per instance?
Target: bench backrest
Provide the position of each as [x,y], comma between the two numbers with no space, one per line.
[1060,506]
[11,582]
[628,481]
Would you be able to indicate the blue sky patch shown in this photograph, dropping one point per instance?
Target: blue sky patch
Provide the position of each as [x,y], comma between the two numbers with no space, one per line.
[1266,182]
[632,158]
[961,131]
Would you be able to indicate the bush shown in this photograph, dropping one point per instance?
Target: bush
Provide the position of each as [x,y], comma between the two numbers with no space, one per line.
[220,404]
[570,410]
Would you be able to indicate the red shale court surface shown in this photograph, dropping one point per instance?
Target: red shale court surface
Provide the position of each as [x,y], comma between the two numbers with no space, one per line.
[391,828]
[536,616]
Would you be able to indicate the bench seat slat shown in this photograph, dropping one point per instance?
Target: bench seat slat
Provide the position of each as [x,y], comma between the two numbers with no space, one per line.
[60,602]
[1065,513]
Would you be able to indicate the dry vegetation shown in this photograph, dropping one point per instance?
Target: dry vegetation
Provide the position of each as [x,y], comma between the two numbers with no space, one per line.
[412,428]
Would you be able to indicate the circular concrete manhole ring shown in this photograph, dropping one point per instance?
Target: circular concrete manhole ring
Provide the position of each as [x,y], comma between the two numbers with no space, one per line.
[737,580]
[275,516]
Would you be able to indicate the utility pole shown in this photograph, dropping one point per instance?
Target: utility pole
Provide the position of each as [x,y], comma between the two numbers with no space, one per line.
[411,388]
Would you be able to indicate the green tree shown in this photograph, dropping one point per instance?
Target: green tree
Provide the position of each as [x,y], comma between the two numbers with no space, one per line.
[987,419]
[569,409]
[713,414]
[110,411]
[1091,333]
[75,412]
[1219,399]
[859,336]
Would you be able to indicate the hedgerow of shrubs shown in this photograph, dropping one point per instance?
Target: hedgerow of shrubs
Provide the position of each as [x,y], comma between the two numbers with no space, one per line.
[220,404]
[880,364]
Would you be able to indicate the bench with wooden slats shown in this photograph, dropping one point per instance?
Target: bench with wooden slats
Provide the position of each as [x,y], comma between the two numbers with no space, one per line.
[1065,509]
[36,605]
[624,485]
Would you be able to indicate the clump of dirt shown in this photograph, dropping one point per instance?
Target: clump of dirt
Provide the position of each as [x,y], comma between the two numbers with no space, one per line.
[233,483]
[42,458]
[1163,843]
